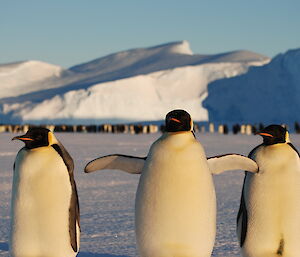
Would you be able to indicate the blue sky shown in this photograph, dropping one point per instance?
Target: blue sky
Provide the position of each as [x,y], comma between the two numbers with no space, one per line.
[69,32]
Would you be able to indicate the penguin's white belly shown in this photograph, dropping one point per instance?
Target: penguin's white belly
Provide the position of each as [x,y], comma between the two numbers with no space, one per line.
[40,205]
[273,203]
[175,203]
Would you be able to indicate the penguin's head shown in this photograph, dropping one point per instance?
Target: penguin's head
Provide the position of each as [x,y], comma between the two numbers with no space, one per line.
[178,120]
[274,134]
[36,137]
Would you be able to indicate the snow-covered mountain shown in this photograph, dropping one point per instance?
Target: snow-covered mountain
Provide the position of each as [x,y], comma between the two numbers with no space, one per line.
[133,85]
[268,94]
[28,76]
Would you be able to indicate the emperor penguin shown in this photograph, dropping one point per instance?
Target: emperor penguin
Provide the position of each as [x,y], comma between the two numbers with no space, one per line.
[268,222]
[175,206]
[44,204]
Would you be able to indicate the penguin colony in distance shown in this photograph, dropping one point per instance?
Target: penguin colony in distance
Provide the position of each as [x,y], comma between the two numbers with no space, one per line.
[44,207]
[268,222]
[175,208]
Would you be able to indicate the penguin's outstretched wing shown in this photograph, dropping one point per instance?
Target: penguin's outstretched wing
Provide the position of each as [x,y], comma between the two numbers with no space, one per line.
[127,163]
[74,217]
[220,163]
[134,164]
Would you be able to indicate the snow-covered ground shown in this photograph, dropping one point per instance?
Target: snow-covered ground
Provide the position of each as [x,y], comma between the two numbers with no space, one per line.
[107,198]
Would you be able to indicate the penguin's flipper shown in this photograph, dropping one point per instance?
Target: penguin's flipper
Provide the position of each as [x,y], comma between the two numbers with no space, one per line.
[242,218]
[294,148]
[127,163]
[220,163]
[74,216]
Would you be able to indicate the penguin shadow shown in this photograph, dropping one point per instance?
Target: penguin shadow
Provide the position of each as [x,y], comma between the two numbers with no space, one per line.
[86,254]
[4,247]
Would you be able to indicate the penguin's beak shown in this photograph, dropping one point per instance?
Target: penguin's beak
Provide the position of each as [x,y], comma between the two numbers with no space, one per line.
[265,134]
[176,120]
[22,138]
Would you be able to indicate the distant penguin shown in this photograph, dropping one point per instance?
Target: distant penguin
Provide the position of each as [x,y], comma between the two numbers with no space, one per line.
[268,222]
[44,205]
[175,208]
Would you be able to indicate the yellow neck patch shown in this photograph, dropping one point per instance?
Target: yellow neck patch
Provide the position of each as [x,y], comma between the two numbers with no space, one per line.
[52,139]
[287,137]
[192,125]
